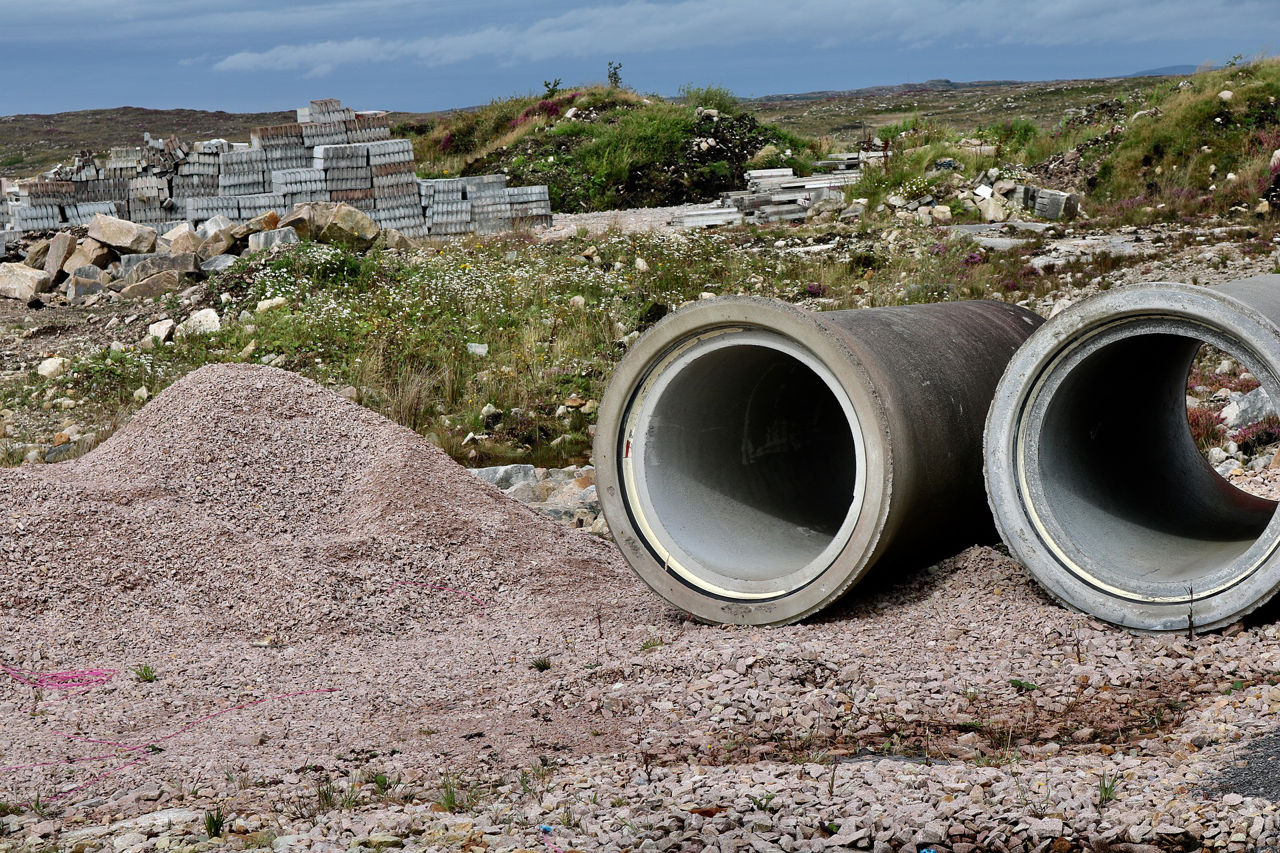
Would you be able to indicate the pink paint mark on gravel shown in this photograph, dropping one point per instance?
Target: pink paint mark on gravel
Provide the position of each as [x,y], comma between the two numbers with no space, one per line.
[484,609]
[146,745]
[74,682]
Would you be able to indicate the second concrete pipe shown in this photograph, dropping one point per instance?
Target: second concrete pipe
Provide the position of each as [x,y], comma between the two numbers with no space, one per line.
[755,460]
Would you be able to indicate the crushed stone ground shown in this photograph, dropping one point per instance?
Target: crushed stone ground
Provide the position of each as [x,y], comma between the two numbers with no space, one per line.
[244,536]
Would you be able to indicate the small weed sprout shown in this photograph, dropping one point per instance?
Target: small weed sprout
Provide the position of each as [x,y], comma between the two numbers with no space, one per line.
[541,664]
[145,673]
[1107,785]
[214,823]
[651,643]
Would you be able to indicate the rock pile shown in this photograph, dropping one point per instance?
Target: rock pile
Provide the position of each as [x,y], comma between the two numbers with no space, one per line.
[774,195]
[565,495]
[117,259]
[330,154]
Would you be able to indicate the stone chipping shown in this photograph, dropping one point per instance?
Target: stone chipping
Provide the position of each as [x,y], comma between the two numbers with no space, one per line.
[249,536]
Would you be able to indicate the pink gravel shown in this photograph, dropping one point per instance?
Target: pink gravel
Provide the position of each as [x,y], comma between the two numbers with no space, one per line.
[251,534]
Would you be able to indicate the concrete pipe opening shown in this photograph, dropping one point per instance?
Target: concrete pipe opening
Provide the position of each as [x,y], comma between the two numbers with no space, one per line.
[749,462]
[1095,480]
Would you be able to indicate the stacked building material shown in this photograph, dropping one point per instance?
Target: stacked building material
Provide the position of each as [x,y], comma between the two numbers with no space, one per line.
[772,195]
[330,154]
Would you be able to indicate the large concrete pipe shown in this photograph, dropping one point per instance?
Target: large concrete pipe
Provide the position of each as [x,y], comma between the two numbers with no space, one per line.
[754,460]
[1094,479]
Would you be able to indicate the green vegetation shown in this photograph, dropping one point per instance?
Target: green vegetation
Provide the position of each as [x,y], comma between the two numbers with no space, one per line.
[1177,163]
[145,673]
[619,150]
[214,822]
[541,664]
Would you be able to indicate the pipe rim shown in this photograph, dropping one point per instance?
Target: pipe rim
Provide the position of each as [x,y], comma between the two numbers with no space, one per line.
[1027,524]
[825,345]
[641,500]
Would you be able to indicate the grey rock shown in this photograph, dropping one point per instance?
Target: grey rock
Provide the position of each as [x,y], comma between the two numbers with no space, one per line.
[1247,408]
[218,263]
[506,476]
[267,239]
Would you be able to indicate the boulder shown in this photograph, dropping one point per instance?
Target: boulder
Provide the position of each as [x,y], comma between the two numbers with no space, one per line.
[52,368]
[79,287]
[36,254]
[183,240]
[153,286]
[202,322]
[218,263]
[941,214]
[275,237]
[218,243]
[992,210]
[306,219]
[350,228]
[120,234]
[19,281]
[268,221]
[212,226]
[89,253]
[161,330]
[393,239]
[182,263]
[1275,160]
[61,247]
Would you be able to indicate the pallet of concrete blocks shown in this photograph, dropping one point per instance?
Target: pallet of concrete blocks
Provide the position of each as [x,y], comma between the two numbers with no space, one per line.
[252,206]
[82,213]
[50,192]
[201,208]
[325,110]
[149,188]
[30,217]
[399,218]
[367,129]
[390,151]
[395,179]
[85,172]
[339,156]
[297,181]
[344,180]
[103,189]
[361,199]
[530,206]
[451,217]
[122,162]
[446,189]
[276,136]
[154,212]
[186,186]
[324,133]
[478,186]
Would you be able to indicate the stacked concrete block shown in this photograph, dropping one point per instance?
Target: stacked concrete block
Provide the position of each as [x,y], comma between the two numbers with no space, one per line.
[329,133]
[252,206]
[242,171]
[44,193]
[122,163]
[530,206]
[24,216]
[368,129]
[202,208]
[83,212]
[330,154]
[188,186]
[390,151]
[451,217]
[324,111]
[361,199]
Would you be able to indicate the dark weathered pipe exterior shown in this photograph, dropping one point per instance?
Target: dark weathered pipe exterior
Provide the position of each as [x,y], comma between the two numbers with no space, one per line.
[1094,478]
[914,383]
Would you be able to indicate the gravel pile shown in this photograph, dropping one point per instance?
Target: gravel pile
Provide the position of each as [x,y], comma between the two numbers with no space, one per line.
[242,537]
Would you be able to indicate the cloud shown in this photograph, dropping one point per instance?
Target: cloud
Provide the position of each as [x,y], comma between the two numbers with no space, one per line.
[643,26]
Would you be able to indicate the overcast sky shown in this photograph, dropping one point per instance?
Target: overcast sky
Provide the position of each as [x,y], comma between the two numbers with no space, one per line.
[250,55]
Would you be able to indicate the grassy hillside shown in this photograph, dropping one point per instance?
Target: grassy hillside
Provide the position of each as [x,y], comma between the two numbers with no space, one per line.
[600,148]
